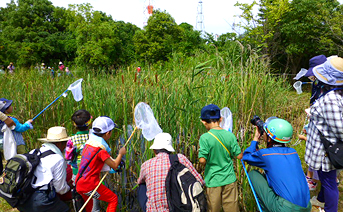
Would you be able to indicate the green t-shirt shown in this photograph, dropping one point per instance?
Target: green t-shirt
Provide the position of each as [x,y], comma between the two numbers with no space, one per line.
[219,166]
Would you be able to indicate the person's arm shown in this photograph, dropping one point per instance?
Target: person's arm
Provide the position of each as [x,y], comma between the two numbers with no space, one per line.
[22,127]
[142,174]
[251,155]
[203,151]
[184,160]
[332,114]
[59,173]
[8,121]
[114,163]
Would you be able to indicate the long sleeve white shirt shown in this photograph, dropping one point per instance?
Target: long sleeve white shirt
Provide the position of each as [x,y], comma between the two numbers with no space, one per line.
[52,167]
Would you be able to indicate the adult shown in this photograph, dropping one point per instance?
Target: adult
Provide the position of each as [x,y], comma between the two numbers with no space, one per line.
[284,186]
[11,68]
[326,121]
[50,175]
[154,172]
[9,122]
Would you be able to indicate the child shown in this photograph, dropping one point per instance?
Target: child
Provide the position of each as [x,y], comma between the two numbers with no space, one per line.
[7,108]
[82,120]
[94,156]
[217,148]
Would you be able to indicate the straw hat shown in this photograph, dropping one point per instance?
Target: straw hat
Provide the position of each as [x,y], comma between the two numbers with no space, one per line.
[56,134]
[330,72]
[163,141]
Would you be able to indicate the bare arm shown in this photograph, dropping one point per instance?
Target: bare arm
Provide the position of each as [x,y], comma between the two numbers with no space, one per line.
[114,163]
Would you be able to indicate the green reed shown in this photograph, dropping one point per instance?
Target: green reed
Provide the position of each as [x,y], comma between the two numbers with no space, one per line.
[176,92]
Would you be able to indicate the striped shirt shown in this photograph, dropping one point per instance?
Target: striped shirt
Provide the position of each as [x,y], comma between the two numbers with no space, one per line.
[327,118]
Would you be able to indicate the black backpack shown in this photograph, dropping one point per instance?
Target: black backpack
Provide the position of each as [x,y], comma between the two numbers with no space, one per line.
[334,152]
[184,192]
[15,182]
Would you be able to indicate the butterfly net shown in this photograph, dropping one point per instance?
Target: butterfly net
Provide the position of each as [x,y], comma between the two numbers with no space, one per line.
[226,123]
[76,90]
[145,120]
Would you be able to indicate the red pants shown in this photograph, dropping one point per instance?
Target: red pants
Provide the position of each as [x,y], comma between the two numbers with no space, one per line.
[103,194]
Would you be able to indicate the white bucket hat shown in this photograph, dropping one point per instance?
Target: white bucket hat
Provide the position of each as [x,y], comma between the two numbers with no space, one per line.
[56,134]
[330,72]
[163,141]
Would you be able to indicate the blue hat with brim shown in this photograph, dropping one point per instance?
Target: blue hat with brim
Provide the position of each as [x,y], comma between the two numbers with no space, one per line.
[315,61]
[330,72]
[210,112]
[5,104]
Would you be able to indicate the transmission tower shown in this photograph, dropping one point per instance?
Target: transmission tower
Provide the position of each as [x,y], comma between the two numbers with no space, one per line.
[147,11]
[200,19]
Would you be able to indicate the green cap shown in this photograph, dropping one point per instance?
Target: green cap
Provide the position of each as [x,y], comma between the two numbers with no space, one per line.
[279,130]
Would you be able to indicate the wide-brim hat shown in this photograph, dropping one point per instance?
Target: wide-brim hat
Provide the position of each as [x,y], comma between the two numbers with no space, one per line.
[56,134]
[60,63]
[315,61]
[163,141]
[5,104]
[330,72]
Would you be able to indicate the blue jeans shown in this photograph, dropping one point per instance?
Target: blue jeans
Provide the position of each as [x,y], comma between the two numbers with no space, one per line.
[39,202]
[329,190]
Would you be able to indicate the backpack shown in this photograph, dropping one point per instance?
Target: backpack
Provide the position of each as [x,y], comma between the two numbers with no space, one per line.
[334,152]
[15,182]
[184,192]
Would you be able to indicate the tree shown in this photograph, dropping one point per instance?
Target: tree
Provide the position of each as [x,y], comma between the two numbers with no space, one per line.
[28,32]
[291,32]
[159,38]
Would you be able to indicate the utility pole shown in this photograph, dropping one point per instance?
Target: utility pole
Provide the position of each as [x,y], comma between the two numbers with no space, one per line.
[200,19]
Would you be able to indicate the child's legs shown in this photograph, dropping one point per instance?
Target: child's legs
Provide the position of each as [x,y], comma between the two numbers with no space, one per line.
[89,205]
[214,199]
[21,149]
[230,197]
[105,194]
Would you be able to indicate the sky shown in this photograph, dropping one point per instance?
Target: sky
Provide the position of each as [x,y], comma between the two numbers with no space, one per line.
[218,15]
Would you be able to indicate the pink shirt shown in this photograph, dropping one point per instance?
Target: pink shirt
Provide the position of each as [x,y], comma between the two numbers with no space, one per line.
[154,173]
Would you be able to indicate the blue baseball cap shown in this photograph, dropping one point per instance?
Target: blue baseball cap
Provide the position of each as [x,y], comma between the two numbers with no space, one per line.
[5,104]
[210,112]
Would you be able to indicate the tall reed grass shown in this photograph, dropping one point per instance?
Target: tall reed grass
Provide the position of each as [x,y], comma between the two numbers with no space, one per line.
[176,92]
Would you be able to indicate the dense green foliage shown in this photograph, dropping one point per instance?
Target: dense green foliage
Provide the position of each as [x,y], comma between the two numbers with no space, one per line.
[291,32]
[34,31]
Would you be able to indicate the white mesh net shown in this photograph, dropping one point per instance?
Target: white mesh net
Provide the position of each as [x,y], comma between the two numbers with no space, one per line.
[76,90]
[145,120]
[226,123]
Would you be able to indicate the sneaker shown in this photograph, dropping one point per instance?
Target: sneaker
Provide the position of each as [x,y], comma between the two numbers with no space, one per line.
[315,202]
[311,184]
